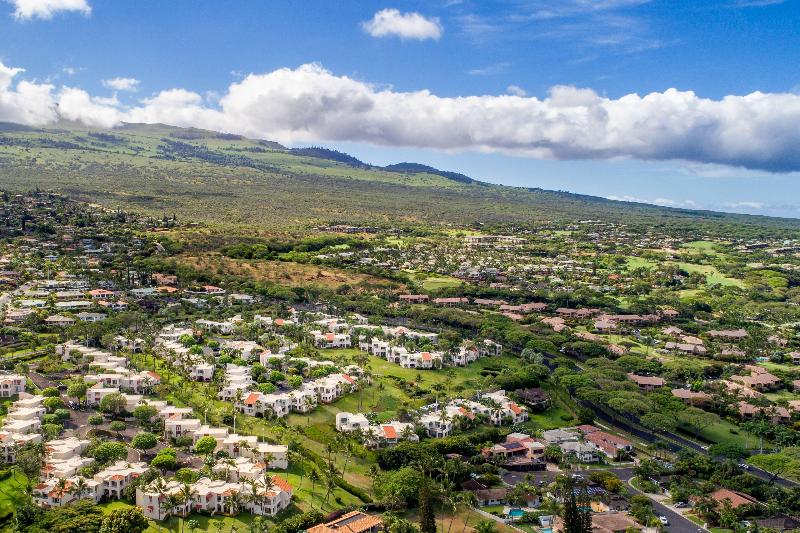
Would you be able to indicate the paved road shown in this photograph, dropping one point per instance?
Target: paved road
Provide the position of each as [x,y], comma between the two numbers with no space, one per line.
[677,522]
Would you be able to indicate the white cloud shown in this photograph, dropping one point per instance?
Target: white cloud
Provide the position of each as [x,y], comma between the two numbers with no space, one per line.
[307,104]
[490,70]
[663,202]
[516,90]
[747,204]
[45,9]
[122,84]
[393,23]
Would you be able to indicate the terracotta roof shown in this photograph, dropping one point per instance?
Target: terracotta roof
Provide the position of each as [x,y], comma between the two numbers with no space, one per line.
[354,522]
[737,499]
[390,432]
[282,484]
[252,398]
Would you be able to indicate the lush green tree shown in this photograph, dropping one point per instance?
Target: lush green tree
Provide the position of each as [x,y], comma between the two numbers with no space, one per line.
[697,419]
[128,520]
[50,392]
[108,451]
[427,518]
[399,487]
[396,524]
[113,404]
[144,441]
[144,414]
[164,462]
[77,389]
[729,450]
[486,526]
[205,445]
[52,403]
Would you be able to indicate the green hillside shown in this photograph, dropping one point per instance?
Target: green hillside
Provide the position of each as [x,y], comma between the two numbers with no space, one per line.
[229,179]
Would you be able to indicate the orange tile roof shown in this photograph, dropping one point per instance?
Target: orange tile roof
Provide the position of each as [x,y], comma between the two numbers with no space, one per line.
[390,432]
[353,522]
[282,484]
[252,398]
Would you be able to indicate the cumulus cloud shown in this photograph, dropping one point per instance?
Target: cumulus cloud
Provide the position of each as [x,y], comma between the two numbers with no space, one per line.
[663,202]
[756,131]
[393,23]
[516,90]
[745,204]
[45,9]
[122,84]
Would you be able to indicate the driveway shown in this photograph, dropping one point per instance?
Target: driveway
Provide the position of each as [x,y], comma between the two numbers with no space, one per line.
[677,522]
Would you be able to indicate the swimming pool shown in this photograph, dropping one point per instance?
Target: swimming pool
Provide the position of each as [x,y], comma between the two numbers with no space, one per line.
[516,513]
[546,530]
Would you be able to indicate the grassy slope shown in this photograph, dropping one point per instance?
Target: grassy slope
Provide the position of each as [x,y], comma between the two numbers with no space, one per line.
[246,182]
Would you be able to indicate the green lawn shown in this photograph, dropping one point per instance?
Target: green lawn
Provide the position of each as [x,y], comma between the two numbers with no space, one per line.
[11,490]
[440,282]
[706,247]
[713,276]
[639,262]
[720,433]
[221,524]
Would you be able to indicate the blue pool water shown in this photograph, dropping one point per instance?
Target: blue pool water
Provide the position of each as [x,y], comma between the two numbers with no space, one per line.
[547,530]
[516,513]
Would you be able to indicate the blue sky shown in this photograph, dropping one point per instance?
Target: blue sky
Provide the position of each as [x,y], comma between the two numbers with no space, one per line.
[715,49]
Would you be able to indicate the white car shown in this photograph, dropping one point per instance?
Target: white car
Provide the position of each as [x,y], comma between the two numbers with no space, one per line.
[663,520]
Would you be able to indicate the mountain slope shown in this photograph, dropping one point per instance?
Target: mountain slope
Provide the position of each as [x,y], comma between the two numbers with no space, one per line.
[230,179]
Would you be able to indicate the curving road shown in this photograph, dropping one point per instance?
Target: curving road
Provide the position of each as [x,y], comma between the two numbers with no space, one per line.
[677,522]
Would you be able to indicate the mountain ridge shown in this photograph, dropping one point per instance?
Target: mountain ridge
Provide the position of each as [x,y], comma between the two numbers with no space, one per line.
[229,178]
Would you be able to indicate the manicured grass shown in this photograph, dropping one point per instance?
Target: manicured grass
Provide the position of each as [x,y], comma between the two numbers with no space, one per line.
[639,262]
[782,395]
[222,524]
[441,282]
[713,276]
[554,416]
[720,433]
[780,367]
[11,491]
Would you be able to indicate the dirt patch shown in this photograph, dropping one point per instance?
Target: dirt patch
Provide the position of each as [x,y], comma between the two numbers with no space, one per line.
[286,273]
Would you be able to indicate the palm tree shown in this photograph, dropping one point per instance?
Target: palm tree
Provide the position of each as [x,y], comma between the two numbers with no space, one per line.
[469,500]
[170,503]
[187,494]
[79,488]
[159,487]
[236,502]
[253,496]
[62,487]
[314,477]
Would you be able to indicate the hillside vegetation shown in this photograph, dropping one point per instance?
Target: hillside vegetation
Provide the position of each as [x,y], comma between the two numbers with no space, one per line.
[223,178]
